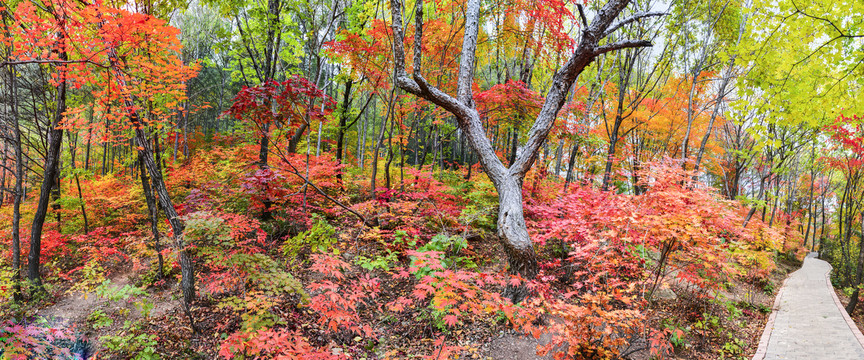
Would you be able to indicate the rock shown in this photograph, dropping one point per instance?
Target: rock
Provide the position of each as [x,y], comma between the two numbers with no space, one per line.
[665,293]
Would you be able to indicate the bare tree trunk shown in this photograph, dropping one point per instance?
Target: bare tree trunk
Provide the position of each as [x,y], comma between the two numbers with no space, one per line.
[89,141]
[559,154]
[508,181]
[145,151]
[379,140]
[153,213]
[55,190]
[570,164]
[3,179]
[390,153]
[776,200]
[105,150]
[72,149]
[810,214]
[52,159]
[263,165]
[822,227]
[759,197]
[610,156]
[361,143]
[859,276]
[343,122]
[19,187]
[721,94]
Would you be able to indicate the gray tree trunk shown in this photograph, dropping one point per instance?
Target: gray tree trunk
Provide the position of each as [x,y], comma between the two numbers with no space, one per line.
[19,187]
[52,159]
[508,181]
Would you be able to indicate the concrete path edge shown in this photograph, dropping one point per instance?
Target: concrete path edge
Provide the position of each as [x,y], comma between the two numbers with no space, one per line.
[762,350]
[849,321]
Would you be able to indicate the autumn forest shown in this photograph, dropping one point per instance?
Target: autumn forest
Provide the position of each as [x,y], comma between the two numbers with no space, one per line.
[435,179]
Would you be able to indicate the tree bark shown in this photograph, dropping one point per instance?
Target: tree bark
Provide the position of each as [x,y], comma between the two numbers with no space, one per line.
[145,151]
[52,159]
[759,197]
[19,187]
[859,276]
[571,163]
[508,181]
[378,141]
[72,149]
[3,179]
[343,122]
[152,212]
[263,166]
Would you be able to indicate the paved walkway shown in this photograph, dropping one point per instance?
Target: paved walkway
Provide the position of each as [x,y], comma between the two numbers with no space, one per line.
[807,322]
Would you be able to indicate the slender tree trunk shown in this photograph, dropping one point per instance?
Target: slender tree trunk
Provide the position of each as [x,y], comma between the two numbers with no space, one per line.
[264,166]
[89,141]
[19,187]
[186,129]
[822,228]
[52,159]
[343,122]
[390,153]
[859,275]
[559,154]
[361,142]
[152,212]
[759,197]
[105,149]
[176,141]
[187,282]
[3,179]
[610,156]
[379,140]
[72,150]
[776,200]
[55,191]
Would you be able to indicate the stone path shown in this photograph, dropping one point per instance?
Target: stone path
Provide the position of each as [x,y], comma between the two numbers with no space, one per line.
[807,322]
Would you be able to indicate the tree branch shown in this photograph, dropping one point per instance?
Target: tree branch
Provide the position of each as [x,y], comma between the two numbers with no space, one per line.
[418,36]
[563,80]
[398,40]
[469,49]
[53,62]
[582,15]
[622,45]
[631,19]
[416,84]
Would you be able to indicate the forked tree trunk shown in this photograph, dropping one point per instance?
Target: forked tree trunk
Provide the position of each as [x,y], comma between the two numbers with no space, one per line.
[508,181]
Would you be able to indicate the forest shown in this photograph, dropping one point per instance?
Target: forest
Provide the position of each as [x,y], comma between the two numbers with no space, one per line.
[410,179]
